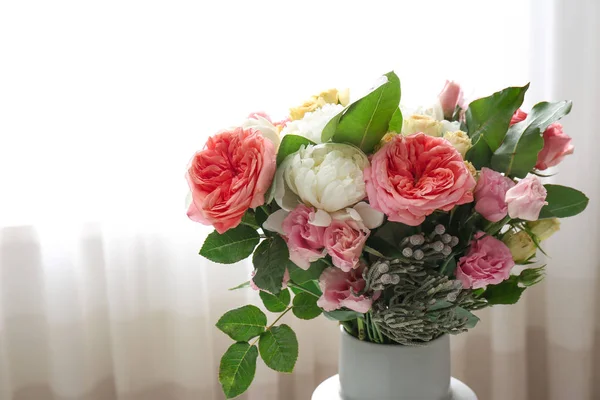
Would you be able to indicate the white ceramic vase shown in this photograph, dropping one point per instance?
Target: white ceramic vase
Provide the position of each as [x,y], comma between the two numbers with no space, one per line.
[371,371]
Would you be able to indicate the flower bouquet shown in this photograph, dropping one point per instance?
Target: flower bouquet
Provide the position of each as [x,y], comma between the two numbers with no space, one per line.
[397,223]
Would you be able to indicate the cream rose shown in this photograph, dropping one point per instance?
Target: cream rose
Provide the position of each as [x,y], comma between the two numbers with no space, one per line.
[331,96]
[327,176]
[460,140]
[521,245]
[422,123]
[312,124]
[264,126]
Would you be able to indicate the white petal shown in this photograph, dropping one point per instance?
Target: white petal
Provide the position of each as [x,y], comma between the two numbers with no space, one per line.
[371,217]
[321,218]
[274,222]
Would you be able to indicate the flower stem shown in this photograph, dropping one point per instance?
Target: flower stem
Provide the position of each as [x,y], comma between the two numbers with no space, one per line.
[274,322]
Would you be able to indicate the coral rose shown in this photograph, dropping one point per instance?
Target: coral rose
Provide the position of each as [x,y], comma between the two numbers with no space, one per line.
[411,177]
[488,262]
[230,175]
[526,199]
[340,290]
[518,116]
[490,194]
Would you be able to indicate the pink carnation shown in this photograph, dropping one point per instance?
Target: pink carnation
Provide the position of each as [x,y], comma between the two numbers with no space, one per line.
[526,199]
[304,240]
[490,194]
[340,289]
[230,175]
[344,241]
[411,177]
[488,262]
[518,116]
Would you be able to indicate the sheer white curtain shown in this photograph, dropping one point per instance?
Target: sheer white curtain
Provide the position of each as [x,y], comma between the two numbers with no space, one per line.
[102,293]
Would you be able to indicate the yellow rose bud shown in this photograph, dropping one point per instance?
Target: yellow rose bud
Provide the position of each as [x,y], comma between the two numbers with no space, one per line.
[544,228]
[471,169]
[460,140]
[421,123]
[385,139]
[331,96]
[521,245]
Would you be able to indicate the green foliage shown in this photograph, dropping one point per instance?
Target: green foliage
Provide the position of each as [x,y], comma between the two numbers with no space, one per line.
[490,116]
[342,315]
[365,121]
[310,286]
[241,286]
[396,122]
[506,292]
[298,275]
[471,318]
[237,369]
[244,323]
[517,155]
[487,122]
[382,247]
[276,303]
[305,306]
[531,276]
[448,267]
[290,144]
[232,246]
[250,220]
[261,214]
[279,348]
[563,202]
[270,260]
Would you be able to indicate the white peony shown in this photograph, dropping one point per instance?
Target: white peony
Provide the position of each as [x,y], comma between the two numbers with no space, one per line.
[312,124]
[327,176]
[265,127]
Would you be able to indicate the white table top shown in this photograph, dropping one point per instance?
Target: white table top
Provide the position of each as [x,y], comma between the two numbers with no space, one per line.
[330,390]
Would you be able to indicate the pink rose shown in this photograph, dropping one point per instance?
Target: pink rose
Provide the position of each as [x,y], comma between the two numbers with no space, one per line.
[488,262]
[256,114]
[518,116]
[557,145]
[450,96]
[411,177]
[490,194]
[344,241]
[304,240]
[284,283]
[526,199]
[340,290]
[230,175]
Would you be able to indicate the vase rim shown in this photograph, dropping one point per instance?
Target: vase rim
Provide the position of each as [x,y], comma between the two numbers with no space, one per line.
[379,345]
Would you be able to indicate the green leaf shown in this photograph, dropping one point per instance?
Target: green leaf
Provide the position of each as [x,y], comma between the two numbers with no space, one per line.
[290,144]
[383,247]
[490,116]
[342,315]
[298,275]
[305,306]
[249,219]
[244,323]
[279,348]
[396,122]
[507,292]
[365,121]
[480,154]
[241,286]
[232,246]
[276,303]
[270,260]
[331,127]
[448,267]
[563,202]
[261,216]
[471,318]
[518,153]
[237,369]
[310,286]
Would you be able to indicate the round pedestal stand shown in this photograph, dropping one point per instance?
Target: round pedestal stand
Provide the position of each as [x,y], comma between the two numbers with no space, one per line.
[330,390]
